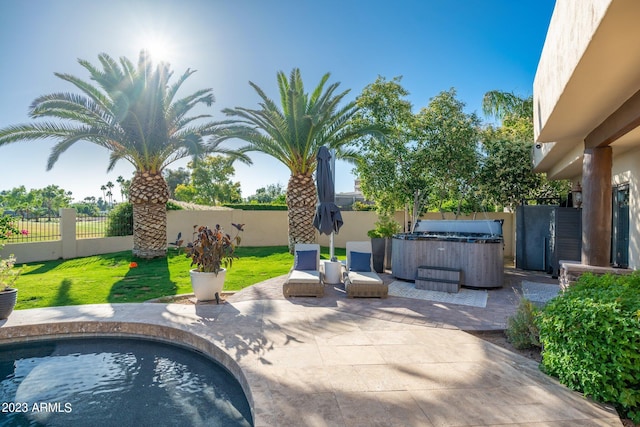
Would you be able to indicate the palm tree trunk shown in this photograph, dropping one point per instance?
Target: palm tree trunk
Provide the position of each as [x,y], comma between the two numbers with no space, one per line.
[148,195]
[301,204]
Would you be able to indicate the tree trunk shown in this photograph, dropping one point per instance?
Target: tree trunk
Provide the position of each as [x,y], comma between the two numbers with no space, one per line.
[149,194]
[301,204]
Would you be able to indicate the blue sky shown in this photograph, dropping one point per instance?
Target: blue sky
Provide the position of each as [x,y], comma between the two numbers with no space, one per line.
[474,46]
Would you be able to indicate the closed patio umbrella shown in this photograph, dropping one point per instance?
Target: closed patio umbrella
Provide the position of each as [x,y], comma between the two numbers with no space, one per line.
[328,219]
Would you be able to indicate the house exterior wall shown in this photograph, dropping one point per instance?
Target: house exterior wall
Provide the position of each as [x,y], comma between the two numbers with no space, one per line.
[587,70]
[626,168]
[587,73]
[571,29]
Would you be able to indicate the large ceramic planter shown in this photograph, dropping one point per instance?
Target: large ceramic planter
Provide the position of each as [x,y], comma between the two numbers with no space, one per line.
[387,253]
[207,286]
[7,302]
[377,251]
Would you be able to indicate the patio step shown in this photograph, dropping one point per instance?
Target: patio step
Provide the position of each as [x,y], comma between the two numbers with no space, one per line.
[440,279]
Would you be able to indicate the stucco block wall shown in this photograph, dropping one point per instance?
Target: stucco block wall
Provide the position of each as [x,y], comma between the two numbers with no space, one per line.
[262,228]
[625,170]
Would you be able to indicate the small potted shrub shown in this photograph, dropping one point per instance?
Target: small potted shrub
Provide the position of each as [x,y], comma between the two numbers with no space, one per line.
[8,273]
[8,294]
[211,252]
[380,236]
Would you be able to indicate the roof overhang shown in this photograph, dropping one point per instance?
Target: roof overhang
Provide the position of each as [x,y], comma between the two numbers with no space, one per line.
[588,70]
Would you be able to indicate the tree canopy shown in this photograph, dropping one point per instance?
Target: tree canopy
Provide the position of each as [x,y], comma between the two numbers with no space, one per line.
[210,182]
[425,159]
[507,176]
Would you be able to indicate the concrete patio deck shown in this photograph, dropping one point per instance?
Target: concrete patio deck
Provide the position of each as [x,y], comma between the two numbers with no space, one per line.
[334,361]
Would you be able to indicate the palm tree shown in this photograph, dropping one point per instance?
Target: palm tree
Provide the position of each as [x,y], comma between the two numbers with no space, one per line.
[292,133]
[505,105]
[508,150]
[123,183]
[131,111]
[110,186]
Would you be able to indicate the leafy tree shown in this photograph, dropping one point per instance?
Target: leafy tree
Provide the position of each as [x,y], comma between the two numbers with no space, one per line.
[185,193]
[53,198]
[15,199]
[448,139]
[175,178]
[272,193]
[387,167]
[132,111]
[85,208]
[426,159]
[102,204]
[210,182]
[292,133]
[43,201]
[507,175]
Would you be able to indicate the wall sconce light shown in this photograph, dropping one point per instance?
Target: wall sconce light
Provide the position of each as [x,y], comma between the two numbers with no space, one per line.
[576,195]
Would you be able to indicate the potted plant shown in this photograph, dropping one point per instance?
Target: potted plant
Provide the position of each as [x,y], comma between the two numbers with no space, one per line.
[8,273]
[211,252]
[380,236]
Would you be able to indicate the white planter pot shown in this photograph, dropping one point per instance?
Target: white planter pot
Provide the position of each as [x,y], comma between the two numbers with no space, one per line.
[207,285]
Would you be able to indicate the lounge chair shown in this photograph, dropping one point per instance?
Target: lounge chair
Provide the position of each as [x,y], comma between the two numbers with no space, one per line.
[304,277]
[360,279]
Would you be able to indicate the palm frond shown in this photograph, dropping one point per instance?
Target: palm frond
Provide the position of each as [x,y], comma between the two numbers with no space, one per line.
[130,109]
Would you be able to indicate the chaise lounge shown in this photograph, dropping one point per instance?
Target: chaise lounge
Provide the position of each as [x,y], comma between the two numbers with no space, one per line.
[360,279]
[304,277]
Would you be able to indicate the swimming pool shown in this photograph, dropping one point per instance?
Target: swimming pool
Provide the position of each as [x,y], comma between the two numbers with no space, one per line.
[116,381]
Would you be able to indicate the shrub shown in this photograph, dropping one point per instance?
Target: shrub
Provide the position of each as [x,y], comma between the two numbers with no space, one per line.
[522,330]
[386,226]
[591,340]
[256,206]
[120,220]
[361,206]
[173,206]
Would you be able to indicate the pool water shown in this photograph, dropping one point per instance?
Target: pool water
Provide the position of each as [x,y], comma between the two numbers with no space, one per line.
[116,382]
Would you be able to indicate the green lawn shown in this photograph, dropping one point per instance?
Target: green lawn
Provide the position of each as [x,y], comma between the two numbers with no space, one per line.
[108,278]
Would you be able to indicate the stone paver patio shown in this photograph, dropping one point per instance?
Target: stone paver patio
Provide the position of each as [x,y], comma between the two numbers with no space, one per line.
[335,361]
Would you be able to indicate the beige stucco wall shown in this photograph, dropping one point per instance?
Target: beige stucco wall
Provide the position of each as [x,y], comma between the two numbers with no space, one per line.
[625,171]
[262,228]
[46,251]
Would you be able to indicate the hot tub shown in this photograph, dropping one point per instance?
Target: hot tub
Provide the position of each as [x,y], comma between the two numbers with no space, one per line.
[461,246]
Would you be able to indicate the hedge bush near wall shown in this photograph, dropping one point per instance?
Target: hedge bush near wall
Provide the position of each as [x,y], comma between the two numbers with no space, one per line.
[256,206]
[120,220]
[591,340]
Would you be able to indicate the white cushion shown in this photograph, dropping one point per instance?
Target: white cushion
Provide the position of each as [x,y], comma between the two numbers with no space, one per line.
[364,277]
[304,276]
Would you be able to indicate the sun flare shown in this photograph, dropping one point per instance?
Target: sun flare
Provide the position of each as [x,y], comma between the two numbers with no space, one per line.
[160,48]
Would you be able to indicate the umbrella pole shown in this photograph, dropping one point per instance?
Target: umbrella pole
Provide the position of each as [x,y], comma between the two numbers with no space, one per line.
[331,251]
[333,178]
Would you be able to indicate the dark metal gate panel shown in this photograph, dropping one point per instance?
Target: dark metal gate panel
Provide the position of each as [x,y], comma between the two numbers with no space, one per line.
[532,237]
[566,237]
[546,235]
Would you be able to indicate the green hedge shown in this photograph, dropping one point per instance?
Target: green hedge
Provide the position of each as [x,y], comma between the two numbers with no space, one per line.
[121,218]
[120,221]
[256,206]
[591,340]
